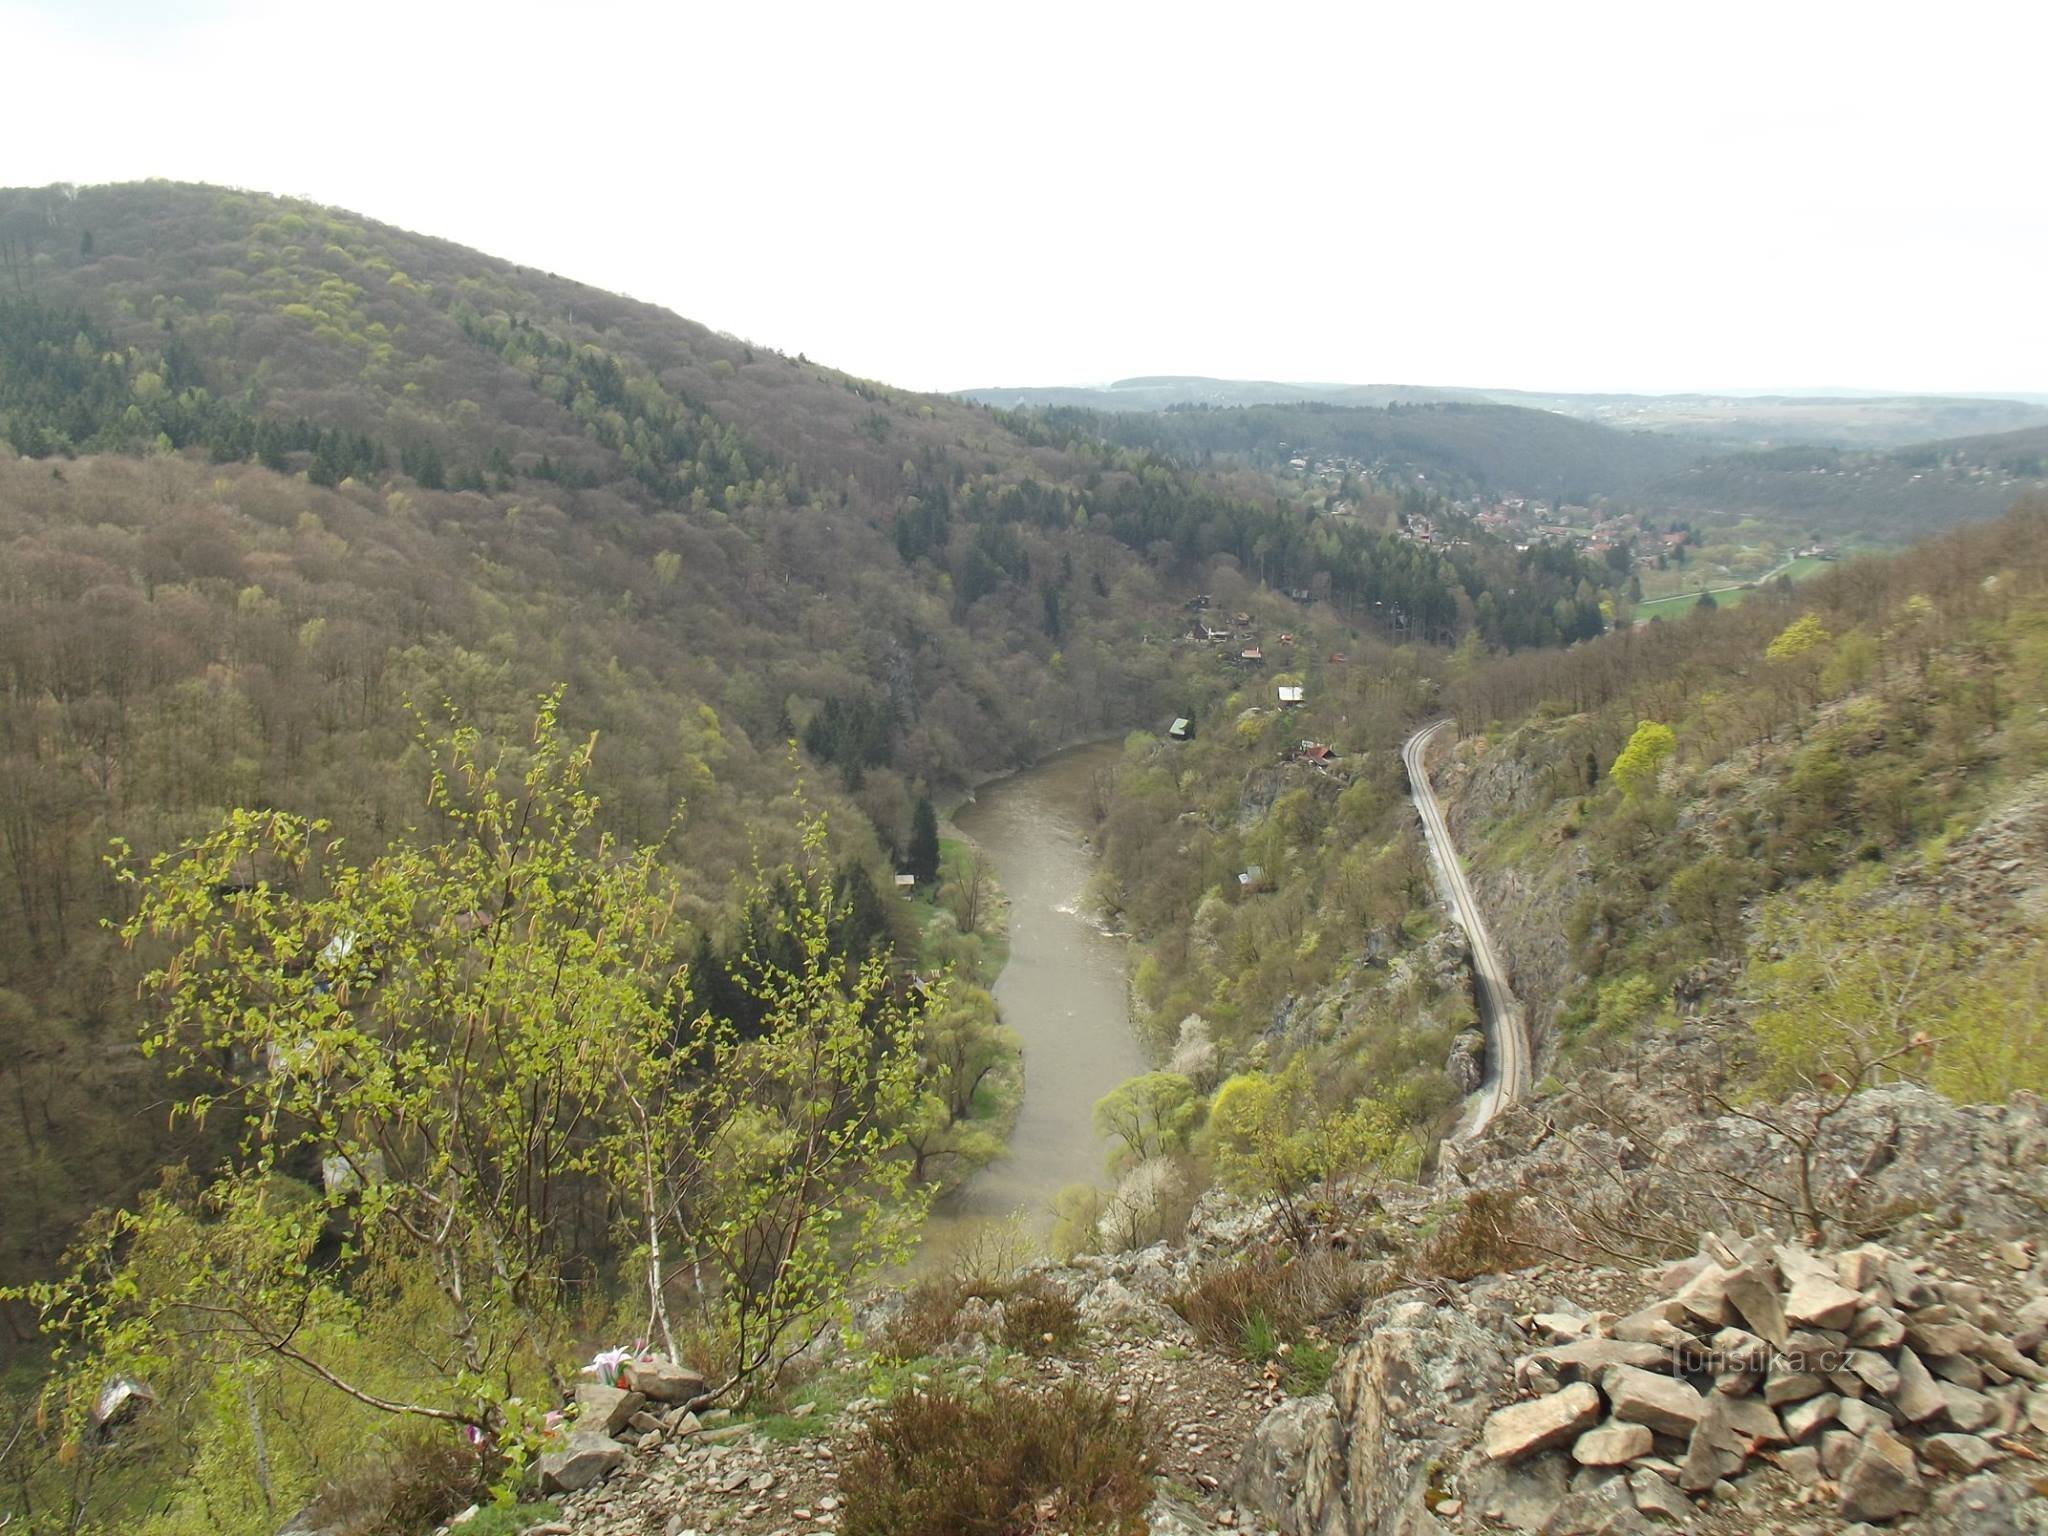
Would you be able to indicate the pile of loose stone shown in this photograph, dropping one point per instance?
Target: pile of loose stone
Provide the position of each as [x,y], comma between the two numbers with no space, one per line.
[649,1405]
[1863,1375]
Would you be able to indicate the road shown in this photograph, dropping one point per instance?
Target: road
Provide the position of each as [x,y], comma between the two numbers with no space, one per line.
[1507,1032]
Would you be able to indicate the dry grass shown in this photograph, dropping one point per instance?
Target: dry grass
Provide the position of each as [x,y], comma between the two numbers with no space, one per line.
[1250,1308]
[1477,1239]
[416,1487]
[1016,1463]
[1038,1318]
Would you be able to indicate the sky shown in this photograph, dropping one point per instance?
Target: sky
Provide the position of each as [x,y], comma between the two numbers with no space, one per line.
[1541,196]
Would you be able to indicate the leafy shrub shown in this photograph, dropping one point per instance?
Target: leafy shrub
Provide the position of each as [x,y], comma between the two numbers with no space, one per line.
[1015,1463]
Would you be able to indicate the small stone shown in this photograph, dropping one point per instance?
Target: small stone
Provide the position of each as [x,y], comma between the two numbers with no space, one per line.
[1809,1417]
[1658,1324]
[1801,1463]
[1522,1429]
[1960,1369]
[1861,1268]
[1792,1386]
[605,1409]
[1859,1418]
[2016,1255]
[1876,1372]
[1750,1291]
[1753,1420]
[1658,1499]
[1585,1359]
[586,1457]
[1705,1296]
[1877,1328]
[1612,1445]
[1967,1410]
[1882,1481]
[1960,1454]
[662,1381]
[1821,1302]
[1837,1449]
[1917,1397]
[1665,1404]
[1715,1450]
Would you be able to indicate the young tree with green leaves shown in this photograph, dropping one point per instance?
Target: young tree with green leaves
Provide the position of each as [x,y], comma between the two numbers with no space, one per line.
[467,1076]
[1635,770]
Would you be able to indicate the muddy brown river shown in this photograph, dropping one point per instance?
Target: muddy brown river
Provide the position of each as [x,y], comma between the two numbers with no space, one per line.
[1063,991]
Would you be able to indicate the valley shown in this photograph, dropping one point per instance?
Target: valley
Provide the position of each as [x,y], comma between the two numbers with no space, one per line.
[494,1017]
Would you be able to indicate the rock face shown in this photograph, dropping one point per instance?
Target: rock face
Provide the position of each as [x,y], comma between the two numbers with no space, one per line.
[1466,1066]
[1410,1395]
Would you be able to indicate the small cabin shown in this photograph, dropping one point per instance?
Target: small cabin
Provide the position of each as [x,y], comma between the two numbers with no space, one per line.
[1315,752]
[1182,729]
[1290,694]
[1286,639]
[1251,655]
[906,882]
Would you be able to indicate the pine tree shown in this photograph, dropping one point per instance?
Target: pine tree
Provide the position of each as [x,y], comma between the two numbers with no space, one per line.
[923,860]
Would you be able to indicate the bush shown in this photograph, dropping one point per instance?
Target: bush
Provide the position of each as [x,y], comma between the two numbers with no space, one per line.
[1015,1463]
[1252,1309]
[1476,1239]
[416,1486]
[1038,1318]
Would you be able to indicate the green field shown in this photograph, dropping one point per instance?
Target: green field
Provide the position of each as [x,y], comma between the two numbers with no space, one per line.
[1683,602]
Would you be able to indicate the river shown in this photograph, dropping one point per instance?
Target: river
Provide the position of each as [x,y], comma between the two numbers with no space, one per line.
[1064,991]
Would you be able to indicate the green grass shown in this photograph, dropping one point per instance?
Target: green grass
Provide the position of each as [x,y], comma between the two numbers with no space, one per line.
[508,1519]
[1684,602]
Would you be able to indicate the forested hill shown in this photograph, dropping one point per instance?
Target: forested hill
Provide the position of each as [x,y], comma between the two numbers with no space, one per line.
[277,477]
[1462,447]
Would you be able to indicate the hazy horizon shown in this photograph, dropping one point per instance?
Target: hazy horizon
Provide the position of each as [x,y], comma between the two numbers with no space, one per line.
[1603,199]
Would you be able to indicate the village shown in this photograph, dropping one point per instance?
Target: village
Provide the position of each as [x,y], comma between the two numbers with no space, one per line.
[1626,540]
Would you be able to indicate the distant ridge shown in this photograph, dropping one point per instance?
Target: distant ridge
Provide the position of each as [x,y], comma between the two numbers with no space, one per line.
[1733,419]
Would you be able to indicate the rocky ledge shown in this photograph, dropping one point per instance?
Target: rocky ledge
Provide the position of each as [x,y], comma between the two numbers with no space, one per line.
[1754,1386]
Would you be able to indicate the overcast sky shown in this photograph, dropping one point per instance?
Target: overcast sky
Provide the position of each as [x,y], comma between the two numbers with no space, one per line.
[1551,195]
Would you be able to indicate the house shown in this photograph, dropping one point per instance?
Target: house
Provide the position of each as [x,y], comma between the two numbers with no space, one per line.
[906,882]
[1253,655]
[1182,729]
[1200,630]
[1286,639]
[1290,694]
[1252,877]
[1314,752]
[1241,620]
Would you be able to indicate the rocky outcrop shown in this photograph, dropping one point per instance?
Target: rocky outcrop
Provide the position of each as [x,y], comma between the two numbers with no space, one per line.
[1897,1154]
[1876,1382]
[1403,1401]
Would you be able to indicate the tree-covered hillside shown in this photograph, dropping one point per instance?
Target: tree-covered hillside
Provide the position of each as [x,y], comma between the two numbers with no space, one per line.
[282,477]
[1460,447]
